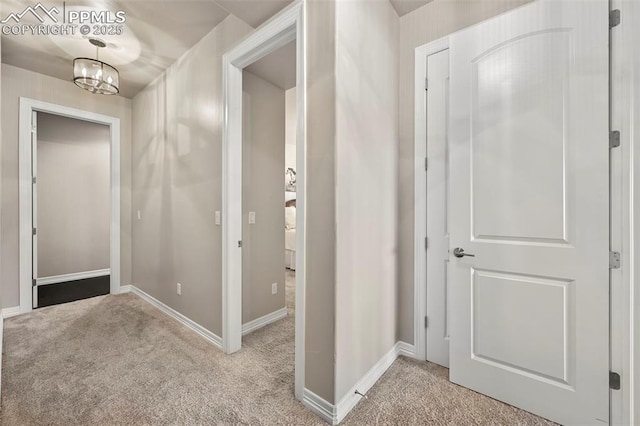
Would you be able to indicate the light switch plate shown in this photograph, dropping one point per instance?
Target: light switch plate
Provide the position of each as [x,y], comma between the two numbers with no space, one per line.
[217,218]
[252,218]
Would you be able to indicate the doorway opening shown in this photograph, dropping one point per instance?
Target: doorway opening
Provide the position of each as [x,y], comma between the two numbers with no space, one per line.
[280,31]
[69,218]
[269,194]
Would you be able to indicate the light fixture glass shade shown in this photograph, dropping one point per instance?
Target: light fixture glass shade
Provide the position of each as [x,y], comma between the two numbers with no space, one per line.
[96,76]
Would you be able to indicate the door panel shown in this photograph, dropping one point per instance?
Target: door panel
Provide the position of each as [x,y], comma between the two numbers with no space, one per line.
[502,337]
[437,208]
[518,121]
[530,199]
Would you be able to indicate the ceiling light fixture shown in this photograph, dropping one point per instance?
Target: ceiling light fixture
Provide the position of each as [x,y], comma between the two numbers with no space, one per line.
[94,75]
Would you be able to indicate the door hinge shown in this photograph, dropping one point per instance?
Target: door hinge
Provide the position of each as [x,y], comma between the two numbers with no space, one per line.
[240,243]
[614,380]
[426,322]
[34,231]
[426,163]
[33,282]
[426,242]
[426,83]
[614,18]
[33,180]
[614,260]
[614,139]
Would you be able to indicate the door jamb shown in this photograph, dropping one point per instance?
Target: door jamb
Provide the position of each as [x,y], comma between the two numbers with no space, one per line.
[420,194]
[625,195]
[283,28]
[27,107]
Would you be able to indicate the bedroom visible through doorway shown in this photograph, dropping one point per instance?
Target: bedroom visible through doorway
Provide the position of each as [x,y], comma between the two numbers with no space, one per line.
[269,193]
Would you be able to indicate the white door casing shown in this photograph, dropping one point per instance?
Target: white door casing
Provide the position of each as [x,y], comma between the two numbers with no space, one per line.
[437,208]
[286,26]
[27,153]
[530,199]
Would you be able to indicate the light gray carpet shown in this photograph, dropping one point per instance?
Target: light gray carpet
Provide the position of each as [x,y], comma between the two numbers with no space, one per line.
[116,360]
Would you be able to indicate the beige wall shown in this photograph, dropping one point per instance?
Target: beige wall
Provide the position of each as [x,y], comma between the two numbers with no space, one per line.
[431,22]
[177,180]
[74,201]
[18,82]
[262,193]
[366,145]
[320,242]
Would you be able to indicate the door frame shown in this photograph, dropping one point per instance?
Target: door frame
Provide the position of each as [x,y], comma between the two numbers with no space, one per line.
[27,107]
[285,27]
[625,194]
[420,194]
[625,213]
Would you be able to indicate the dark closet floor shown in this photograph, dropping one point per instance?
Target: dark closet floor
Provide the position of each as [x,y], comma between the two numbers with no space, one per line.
[54,294]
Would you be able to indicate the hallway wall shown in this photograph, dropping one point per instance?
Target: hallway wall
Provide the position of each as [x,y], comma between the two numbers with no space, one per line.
[320,203]
[366,170]
[177,180]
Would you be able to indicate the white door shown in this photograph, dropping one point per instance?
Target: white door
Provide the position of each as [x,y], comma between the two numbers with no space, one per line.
[530,199]
[437,208]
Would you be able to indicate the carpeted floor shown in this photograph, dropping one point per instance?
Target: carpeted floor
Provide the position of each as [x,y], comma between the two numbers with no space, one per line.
[116,360]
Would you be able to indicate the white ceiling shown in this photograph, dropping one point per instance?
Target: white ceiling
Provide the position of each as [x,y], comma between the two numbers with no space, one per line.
[157,33]
[403,7]
[253,12]
[278,68]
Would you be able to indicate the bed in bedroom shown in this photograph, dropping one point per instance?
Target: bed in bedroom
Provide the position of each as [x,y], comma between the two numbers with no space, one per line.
[290,230]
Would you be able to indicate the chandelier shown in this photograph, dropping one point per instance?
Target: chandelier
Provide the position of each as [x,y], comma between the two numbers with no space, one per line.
[94,75]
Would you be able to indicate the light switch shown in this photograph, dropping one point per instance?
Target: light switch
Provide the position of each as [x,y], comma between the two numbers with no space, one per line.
[252,218]
[139,215]
[217,218]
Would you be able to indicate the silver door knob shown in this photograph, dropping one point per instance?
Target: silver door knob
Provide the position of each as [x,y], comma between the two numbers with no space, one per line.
[459,252]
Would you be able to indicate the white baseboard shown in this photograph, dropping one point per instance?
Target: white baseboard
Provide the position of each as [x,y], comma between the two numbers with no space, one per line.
[125,289]
[407,350]
[334,414]
[1,339]
[11,312]
[264,320]
[203,332]
[73,276]
[324,409]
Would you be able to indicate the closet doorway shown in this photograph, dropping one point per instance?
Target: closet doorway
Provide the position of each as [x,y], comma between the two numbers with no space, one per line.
[69,204]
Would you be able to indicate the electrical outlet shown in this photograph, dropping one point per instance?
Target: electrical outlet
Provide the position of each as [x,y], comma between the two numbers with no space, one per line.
[179,289]
[274,288]
[252,218]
